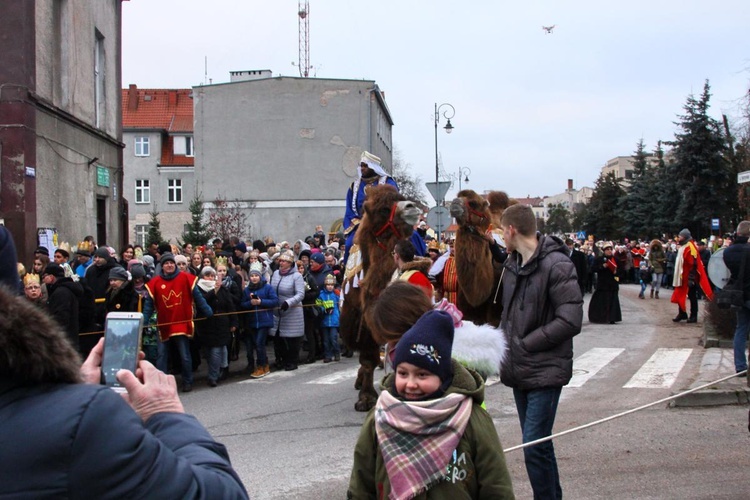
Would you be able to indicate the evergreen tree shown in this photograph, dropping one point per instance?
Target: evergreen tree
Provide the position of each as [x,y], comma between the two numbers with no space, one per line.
[154,233]
[603,217]
[701,173]
[664,193]
[558,221]
[197,232]
[638,206]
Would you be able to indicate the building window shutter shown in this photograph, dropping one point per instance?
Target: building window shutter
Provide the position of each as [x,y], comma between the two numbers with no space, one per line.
[180,147]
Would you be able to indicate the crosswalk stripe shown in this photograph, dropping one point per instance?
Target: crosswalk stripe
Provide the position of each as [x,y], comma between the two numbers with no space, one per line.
[589,363]
[661,370]
[335,378]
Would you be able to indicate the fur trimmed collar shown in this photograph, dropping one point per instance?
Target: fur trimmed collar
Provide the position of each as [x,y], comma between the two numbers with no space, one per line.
[421,264]
[33,347]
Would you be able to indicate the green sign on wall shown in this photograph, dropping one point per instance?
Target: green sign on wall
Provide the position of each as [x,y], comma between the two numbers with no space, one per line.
[102,176]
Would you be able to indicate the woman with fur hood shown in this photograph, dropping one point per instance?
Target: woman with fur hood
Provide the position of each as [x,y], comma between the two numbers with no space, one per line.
[66,436]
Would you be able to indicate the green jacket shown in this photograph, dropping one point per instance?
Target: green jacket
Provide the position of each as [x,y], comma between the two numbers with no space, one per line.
[478,470]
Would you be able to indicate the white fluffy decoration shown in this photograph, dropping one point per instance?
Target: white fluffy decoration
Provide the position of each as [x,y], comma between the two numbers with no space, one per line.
[481,347]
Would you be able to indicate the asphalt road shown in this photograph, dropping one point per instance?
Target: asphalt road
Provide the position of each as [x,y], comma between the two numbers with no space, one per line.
[291,435]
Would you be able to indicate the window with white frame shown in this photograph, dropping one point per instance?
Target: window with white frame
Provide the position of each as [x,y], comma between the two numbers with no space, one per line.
[183,145]
[142,191]
[142,146]
[99,59]
[174,191]
[141,232]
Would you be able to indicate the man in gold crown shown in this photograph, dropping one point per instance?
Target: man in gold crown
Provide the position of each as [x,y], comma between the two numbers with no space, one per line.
[83,255]
[172,294]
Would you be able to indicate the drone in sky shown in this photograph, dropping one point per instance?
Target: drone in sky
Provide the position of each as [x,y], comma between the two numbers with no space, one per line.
[548,29]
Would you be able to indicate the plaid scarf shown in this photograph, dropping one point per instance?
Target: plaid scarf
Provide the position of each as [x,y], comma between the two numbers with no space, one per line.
[417,439]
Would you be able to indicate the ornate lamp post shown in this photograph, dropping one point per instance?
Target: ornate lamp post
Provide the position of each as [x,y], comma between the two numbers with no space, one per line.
[465,171]
[447,114]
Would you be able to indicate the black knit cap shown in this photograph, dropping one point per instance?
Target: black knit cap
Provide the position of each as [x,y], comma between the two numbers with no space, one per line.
[428,344]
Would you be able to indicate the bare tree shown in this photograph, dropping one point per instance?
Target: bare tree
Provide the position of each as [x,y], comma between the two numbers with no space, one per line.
[229,218]
[409,185]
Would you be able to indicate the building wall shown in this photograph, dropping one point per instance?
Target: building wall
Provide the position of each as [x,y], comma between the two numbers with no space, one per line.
[48,81]
[287,146]
[172,216]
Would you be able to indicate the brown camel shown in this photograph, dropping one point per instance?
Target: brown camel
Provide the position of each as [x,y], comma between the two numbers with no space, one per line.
[479,294]
[388,217]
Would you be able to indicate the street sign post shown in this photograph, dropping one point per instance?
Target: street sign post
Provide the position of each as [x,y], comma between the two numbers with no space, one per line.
[438,190]
[439,219]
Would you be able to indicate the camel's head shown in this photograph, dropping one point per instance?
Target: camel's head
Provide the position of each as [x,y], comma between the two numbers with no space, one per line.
[471,209]
[385,207]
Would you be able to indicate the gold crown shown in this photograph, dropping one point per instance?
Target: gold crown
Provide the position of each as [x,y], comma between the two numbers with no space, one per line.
[31,278]
[85,247]
[221,261]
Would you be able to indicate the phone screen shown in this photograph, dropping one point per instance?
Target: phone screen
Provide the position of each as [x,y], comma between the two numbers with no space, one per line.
[122,339]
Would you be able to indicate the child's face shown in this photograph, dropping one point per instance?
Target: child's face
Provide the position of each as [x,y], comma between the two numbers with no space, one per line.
[413,382]
[255,278]
[330,287]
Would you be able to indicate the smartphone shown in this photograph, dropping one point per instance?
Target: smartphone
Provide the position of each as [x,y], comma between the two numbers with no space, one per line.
[122,343]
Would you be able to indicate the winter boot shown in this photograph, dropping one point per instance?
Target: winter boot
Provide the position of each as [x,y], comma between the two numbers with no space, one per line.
[681,316]
[657,294]
[652,293]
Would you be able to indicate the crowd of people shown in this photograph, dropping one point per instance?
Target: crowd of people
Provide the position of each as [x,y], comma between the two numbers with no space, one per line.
[203,302]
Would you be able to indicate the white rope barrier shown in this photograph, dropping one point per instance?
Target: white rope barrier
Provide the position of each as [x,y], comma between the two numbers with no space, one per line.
[612,417]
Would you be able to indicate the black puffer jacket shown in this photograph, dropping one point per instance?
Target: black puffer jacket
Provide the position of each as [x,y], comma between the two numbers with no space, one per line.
[62,304]
[733,256]
[542,312]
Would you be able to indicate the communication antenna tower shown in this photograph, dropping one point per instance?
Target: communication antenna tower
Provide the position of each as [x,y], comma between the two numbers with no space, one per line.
[304,38]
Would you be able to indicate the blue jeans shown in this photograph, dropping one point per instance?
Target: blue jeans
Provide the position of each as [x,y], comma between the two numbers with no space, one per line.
[255,341]
[330,342]
[536,411]
[186,361]
[740,338]
[213,356]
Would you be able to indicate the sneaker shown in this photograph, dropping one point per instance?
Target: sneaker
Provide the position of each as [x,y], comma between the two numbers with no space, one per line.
[258,373]
[681,316]
[266,369]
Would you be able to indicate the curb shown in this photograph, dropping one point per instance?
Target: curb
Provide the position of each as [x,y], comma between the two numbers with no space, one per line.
[713,397]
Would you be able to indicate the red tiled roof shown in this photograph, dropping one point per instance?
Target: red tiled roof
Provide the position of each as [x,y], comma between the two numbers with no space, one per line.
[170,110]
[167,110]
[169,159]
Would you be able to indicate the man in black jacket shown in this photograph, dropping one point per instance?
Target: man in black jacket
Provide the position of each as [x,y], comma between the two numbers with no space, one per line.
[733,257]
[542,312]
[579,261]
[63,296]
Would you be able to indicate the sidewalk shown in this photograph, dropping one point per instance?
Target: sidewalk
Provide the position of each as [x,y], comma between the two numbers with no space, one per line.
[717,362]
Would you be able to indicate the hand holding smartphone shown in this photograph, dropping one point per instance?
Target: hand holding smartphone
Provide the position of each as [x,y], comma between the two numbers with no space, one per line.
[122,343]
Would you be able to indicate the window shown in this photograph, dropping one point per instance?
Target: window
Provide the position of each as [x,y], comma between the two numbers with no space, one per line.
[183,145]
[141,232]
[142,146]
[174,191]
[142,191]
[99,104]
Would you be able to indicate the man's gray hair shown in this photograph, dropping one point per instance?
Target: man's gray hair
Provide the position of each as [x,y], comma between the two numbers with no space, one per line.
[743,228]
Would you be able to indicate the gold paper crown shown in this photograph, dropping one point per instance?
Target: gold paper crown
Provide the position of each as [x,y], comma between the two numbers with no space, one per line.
[21,270]
[221,261]
[84,247]
[65,247]
[330,280]
[433,245]
[31,278]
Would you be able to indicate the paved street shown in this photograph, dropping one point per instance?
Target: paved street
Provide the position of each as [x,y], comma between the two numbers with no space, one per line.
[291,434]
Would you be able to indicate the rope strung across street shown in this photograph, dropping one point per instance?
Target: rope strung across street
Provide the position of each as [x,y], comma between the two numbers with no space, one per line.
[628,412]
[217,314]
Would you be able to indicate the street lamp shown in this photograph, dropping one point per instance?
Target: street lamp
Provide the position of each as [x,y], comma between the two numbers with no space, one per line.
[448,129]
[466,171]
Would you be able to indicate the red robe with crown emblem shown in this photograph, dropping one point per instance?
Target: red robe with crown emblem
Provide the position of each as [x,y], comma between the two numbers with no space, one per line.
[173,300]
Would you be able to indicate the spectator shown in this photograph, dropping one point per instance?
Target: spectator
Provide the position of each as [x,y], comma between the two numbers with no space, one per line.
[64,294]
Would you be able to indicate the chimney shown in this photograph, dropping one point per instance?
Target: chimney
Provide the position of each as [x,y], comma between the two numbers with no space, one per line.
[132,97]
[570,184]
[173,98]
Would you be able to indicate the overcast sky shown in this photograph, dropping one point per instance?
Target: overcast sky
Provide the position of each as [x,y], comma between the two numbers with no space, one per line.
[531,109]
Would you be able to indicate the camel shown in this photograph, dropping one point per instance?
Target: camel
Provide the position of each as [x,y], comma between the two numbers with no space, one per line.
[479,293]
[388,217]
